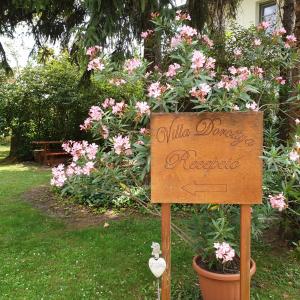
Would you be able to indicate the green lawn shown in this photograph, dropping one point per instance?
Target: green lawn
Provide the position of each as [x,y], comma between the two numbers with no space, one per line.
[41,259]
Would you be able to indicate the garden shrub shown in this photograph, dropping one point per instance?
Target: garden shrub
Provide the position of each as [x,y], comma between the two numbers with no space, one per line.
[192,80]
[46,102]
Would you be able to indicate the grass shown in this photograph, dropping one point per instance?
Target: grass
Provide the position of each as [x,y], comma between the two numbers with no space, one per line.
[41,259]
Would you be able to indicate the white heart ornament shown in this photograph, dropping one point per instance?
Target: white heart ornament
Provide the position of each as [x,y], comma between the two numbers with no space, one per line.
[157,266]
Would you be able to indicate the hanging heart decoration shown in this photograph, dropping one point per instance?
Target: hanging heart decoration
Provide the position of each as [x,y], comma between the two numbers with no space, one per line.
[157,266]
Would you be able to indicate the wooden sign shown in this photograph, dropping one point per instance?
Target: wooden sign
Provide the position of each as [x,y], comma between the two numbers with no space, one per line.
[206,157]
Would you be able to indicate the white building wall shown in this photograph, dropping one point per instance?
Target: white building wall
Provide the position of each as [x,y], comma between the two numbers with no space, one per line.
[248,12]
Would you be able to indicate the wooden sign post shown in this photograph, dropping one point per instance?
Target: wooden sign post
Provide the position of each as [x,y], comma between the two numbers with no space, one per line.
[207,158]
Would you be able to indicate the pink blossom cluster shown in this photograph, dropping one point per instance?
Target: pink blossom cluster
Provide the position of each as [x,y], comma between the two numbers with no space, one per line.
[263,25]
[155,90]
[181,16]
[237,52]
[278,202]
[144,131]
[257,71]
[224,252]
[294,155]
[93,51]
[238,75]
[59,176]
[198,60]
[256,42]
[143,108]
[187,31]
[279,32]
[175,41]
[207,41]
[117,81]
[146,34]
[119,108]
[95,64]
[122,145]
[252,106]
[280,80]
[108,102]
[172,70]
[290,41]
[200,91]
[95,114]
[80,149]
[227,83]
[104,131]
[297,122]
[132,64]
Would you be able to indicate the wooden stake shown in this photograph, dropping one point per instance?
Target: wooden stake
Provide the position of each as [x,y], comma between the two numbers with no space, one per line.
[245,233]
[166,249]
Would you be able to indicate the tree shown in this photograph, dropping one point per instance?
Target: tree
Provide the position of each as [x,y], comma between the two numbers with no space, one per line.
[48,20]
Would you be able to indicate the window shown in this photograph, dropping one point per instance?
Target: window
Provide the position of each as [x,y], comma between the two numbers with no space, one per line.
[268,12]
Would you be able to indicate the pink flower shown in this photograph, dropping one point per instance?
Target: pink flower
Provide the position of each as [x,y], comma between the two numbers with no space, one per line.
[297,121]
[93,51]
[119,108]
[144,131]
[105,132]
[95,64]
[122,145]
[237,52]
[117,82]
[131,65]
[243,73]
[278,202]
[236,108]
[91,150]
[146,33]
[233,70]
[257,42]
[143,108]
[181,16]
[154,90]
[86,124]
[59,178]
[224,252]
[108,102]
[227,83]
[187,31]
[280,80]
[210,64]
[175,41]
[207,41]
[263,25]
[290,41]
[294,156]
[88,167]
[198,60]
[140,142]
[95,113]
[172,70]
[279,32]
[201,91]
[252,106]
[257,71]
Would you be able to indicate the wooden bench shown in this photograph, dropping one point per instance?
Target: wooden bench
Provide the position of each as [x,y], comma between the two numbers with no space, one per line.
[48,156]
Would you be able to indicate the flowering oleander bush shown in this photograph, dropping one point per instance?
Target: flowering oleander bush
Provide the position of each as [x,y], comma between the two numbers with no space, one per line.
[192,78]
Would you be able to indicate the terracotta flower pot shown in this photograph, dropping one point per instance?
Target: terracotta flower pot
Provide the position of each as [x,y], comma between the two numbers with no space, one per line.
[215,286]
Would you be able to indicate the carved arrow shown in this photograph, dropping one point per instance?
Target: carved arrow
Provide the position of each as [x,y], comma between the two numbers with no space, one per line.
[193,188]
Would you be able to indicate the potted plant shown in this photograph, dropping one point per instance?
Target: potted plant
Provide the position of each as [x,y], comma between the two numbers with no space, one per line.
[217,263]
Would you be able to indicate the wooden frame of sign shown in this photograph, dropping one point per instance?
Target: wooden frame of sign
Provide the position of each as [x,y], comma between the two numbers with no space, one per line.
[210,157]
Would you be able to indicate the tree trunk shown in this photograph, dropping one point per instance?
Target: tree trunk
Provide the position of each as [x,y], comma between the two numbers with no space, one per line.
[288,22]
[288,19]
